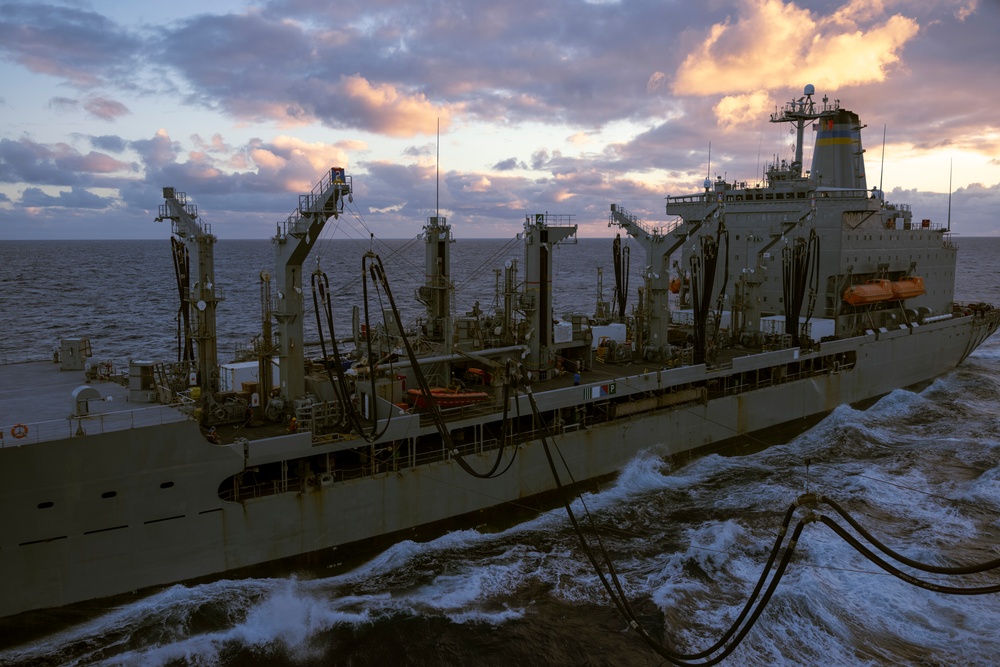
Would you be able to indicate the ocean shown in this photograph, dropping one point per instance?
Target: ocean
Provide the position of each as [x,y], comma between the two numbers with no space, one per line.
[920,469]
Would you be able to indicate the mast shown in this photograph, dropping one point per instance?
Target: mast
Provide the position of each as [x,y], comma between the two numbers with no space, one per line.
[949,193]
[436,291]
[294,240]
[659,243]
[536,301]
[658,248]
[834,133]
[198,239]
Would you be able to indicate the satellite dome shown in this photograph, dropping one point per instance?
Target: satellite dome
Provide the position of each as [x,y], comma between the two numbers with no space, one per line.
[810,89]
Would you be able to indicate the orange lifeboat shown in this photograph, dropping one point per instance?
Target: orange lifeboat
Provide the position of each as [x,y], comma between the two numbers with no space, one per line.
[908,288]
[872,291]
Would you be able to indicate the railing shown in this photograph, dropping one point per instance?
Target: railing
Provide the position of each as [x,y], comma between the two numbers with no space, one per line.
[317,200]
[77,427]
[663,230]
[399,462]
[460,412]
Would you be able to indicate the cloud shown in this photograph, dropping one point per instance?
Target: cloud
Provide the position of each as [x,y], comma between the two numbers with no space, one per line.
[508,164]
[26,161]
[358,104]
[157,152]
[82,47]
[105,109]
[301,81]
[773,42]
[64,104]
[393,69]
[288,88]
[737,110]
[480,184]
[655,82]
[385,109]
[295,163]
[109,142]
[75,198]
[214,145]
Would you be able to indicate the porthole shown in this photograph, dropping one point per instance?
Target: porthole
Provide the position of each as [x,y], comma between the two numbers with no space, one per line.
[47,504]
[109,494]
[166,485]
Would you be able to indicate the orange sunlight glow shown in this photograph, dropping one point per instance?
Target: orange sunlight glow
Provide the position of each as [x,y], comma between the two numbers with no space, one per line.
[773,42]
[392,112]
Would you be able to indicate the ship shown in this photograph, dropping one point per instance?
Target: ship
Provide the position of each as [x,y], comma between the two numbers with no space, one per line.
[762,306]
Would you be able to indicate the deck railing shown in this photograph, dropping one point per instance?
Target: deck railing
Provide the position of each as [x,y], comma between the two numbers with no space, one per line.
[93,424]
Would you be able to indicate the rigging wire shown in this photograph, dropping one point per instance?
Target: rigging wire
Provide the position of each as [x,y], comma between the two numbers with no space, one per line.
[461,286]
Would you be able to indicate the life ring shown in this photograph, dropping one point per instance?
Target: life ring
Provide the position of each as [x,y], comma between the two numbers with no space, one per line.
[19,430]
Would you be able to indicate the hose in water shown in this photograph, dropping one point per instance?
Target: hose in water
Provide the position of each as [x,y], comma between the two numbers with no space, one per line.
[756,603]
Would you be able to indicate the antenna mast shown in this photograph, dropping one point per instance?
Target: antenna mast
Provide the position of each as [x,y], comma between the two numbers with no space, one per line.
[437,172]
[881,167]
[950,162]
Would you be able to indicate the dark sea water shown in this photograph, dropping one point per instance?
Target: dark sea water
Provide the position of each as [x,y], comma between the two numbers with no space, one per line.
[920,470]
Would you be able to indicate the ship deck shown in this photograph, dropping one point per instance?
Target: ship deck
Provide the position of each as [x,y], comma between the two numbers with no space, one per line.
[39,396]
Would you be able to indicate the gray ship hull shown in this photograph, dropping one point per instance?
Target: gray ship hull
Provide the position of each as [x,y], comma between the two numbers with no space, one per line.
[66,539]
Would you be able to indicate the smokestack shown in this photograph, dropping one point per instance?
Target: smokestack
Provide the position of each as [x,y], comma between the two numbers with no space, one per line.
[838,158]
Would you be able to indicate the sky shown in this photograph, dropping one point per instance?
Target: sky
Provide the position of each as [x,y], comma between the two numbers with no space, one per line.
[483,112]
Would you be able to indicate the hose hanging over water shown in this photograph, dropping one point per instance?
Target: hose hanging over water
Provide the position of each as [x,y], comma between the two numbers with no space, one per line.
[352,418]
[703,271]
[756,603]
[615,591]
[622,257]
[799,270]
[182,271]
[935,569]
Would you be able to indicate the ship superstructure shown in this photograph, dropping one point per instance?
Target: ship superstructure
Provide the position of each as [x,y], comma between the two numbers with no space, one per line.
[803,256]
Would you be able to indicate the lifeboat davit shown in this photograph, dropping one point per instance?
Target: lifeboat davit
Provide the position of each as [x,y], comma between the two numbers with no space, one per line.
[870,292]
[447,398]
[908,288]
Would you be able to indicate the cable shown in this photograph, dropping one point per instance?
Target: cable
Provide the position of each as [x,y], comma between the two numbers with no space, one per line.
[753,608]
[935,569]
[353,418]
[617,595]
[378,272]
[867,553]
